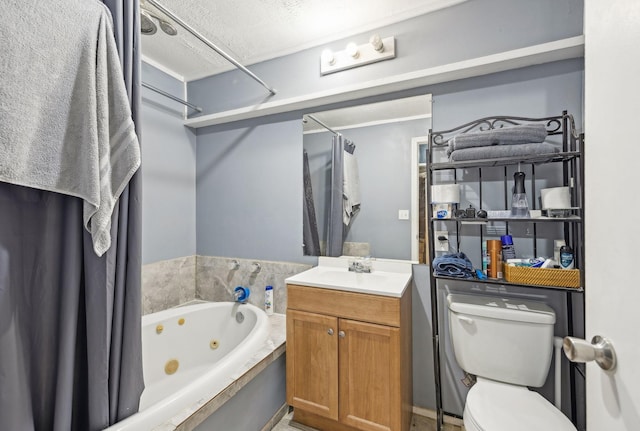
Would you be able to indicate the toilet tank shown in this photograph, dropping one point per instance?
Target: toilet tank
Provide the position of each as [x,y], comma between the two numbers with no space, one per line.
[508,340]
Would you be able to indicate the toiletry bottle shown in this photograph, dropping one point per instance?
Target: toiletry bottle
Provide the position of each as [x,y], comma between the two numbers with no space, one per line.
[268,300]
[508,250]
[557,245]
[566,257]
[494,264]
[519,204]
[485,257]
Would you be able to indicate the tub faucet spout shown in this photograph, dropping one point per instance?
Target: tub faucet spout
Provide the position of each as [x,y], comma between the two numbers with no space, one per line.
[241,294]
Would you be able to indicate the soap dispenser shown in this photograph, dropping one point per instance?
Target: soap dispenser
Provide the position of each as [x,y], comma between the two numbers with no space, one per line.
[519,204]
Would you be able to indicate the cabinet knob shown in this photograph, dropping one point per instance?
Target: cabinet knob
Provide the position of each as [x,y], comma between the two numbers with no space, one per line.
[330,331]
[341,334]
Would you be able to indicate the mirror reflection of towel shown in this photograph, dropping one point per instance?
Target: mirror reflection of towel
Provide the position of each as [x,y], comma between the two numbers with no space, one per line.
[351,188]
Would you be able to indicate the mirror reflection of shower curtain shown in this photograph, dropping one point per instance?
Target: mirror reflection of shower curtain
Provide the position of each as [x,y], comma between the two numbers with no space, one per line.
[310,238]
[335,234]
[337,230]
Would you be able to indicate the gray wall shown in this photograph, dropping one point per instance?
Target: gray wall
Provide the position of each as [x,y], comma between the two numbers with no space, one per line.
[168,172]
[468,30]
[384,163]
[249,193]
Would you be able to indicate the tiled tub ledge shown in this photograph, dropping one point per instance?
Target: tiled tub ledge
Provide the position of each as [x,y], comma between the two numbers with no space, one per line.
[189,418]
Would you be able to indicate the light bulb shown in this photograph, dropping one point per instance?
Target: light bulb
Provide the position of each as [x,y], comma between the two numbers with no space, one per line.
[327,57]
[352,50]
[376,42]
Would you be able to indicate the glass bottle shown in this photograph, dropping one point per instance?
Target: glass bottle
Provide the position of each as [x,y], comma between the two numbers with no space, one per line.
[519,204]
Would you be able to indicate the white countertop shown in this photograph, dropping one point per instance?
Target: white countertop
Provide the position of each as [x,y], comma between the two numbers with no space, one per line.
[387,278]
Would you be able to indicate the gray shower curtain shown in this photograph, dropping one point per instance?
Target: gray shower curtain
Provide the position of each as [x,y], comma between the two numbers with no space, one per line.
[335,227]
[336,230]
[310,236]
[70,336]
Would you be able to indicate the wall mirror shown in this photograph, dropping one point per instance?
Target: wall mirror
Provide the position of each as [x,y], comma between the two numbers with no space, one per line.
[386,140]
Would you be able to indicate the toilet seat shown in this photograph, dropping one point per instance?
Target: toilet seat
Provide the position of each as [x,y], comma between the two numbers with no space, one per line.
[496,406]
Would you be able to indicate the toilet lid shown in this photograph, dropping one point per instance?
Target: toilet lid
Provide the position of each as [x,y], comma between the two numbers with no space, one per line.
[495,406]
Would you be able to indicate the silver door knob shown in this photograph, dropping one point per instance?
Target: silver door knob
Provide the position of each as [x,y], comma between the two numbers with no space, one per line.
[330,331]
[341,334]
[599,350]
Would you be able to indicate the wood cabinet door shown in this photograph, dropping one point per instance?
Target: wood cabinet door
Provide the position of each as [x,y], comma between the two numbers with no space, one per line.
[370,379]
[312,363]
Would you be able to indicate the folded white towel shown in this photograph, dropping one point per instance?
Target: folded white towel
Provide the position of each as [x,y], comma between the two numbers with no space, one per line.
[351,188]
[64,112]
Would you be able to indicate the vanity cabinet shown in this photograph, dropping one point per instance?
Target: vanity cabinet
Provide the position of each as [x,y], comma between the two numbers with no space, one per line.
[349,359]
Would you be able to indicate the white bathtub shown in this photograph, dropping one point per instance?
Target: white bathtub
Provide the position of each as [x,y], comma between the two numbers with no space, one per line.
[190,354]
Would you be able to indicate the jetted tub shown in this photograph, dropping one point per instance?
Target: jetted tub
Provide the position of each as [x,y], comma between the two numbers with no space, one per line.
[190,354]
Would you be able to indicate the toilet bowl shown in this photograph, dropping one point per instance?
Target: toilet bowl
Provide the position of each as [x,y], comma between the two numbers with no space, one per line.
[496,406]
[508,345]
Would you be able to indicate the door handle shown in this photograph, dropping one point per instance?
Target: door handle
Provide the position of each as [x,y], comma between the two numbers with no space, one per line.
[600,350]
[330,331]
[341,334]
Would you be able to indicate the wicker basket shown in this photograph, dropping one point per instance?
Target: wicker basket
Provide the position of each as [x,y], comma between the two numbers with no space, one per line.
[542,276]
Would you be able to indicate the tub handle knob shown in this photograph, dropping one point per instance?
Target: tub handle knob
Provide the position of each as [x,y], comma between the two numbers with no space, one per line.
[241,294]
[341,334]
[330,331]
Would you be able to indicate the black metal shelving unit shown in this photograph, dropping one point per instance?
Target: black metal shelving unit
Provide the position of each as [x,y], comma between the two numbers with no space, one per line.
[571,160]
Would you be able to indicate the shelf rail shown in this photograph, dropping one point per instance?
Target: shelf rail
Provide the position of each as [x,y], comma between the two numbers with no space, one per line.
[171,96]
[210,44]
[322,124]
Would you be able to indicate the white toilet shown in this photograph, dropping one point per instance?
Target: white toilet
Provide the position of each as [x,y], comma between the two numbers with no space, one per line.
[508,345]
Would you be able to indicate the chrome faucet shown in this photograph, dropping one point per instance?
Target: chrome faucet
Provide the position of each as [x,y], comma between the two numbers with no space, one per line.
[360,265]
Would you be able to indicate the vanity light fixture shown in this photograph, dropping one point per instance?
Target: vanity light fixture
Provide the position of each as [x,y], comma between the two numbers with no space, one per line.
[327,57]
[376,42]
[352,50]
[377,49]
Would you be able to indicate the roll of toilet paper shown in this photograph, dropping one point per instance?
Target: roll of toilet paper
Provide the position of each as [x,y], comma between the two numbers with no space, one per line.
[445,193]
[555,198]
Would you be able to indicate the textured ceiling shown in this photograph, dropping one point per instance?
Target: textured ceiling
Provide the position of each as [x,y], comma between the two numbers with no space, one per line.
[257,30]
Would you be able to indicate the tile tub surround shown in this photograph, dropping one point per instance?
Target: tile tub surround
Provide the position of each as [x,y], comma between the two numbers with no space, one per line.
[168,283]
[215,281]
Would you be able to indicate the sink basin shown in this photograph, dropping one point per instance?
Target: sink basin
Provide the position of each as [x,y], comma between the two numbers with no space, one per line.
[330,276]
[386,280]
